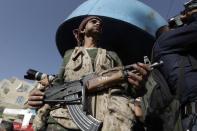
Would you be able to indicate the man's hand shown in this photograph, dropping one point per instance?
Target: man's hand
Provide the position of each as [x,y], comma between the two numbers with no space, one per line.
[138,76]
[35,99]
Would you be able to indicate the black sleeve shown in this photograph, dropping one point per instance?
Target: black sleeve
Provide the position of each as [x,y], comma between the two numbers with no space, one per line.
[177,40]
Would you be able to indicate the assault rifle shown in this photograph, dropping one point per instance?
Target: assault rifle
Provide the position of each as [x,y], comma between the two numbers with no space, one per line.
[181,19]
[73,94]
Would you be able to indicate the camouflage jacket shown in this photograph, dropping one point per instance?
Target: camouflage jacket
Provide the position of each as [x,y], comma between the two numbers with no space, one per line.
[112,106]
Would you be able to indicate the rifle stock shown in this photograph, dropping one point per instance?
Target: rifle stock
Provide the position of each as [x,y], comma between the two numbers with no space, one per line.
[112,77]
[105,80]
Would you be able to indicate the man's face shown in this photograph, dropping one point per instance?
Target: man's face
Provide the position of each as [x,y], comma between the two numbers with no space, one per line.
[93,26]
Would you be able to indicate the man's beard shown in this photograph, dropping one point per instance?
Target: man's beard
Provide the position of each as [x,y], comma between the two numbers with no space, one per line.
[93,33]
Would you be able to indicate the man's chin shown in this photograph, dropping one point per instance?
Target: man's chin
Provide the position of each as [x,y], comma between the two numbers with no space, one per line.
[96,32]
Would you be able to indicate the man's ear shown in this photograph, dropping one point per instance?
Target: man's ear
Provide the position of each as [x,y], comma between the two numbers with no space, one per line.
[76,33]
[82,31]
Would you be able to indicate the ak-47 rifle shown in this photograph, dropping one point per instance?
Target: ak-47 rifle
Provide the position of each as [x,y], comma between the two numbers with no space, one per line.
[181,19]
[73,94]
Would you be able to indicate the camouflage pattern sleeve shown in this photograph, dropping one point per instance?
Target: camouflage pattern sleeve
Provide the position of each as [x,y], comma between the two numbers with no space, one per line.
[116,59]
[60,76]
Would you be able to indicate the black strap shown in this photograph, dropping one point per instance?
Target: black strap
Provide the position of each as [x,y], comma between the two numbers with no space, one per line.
[192,122]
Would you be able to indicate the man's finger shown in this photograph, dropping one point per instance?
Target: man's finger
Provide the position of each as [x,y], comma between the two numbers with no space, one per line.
[35,103]
[35,98]
[144,66]
[140,69]
[135,77]
[133,82]
[34,107]
[36,93]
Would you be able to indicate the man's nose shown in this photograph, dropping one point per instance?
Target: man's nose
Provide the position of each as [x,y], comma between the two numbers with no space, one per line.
[98,23]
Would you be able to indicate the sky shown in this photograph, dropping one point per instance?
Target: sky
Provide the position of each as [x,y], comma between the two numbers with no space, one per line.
[28,27]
